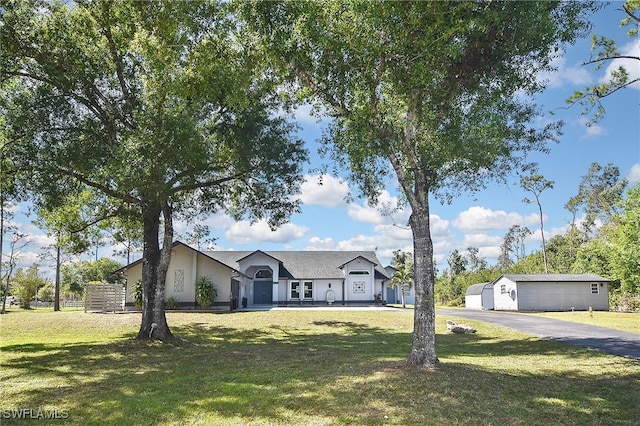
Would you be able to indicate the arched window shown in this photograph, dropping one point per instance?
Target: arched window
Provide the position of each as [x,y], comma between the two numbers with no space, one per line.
[263,274]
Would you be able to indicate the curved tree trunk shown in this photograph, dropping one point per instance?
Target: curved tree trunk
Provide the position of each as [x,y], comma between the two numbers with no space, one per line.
[544,245]
[154,272]
[423,349]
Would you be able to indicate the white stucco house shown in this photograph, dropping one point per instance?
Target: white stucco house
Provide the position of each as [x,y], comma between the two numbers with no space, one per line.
[479,296]
[550,292]
[259,278]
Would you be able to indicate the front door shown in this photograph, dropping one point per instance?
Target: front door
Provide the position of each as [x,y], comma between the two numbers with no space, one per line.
[235,293]
[391,295]
[262,292]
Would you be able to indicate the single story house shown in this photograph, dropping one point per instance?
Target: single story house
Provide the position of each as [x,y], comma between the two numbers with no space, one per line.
[479,296]
[550,292]
[253,278]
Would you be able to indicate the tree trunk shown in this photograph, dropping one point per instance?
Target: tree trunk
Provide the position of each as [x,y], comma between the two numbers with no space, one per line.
[56,292]
[154,272]
[423,350]
[6,289]
[544,246]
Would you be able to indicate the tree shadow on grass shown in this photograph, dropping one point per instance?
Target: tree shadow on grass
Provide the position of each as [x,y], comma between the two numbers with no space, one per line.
[342,372]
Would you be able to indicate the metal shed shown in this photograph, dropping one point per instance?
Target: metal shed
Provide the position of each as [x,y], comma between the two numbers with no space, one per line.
[479,296]
[551,292]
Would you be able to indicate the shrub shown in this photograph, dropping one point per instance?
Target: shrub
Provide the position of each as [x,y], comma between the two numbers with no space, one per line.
[137,294]
[624,301]
[172,303]
[45,293]
[206,292]
[25,285]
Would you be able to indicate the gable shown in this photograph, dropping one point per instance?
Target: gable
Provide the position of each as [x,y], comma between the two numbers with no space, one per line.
[306,264]
[176,247]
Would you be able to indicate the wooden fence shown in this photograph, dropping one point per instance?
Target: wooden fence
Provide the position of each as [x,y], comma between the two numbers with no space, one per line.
[103,297]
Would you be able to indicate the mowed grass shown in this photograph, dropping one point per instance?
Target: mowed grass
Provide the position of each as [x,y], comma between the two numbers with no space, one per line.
[302,367]
[625,321]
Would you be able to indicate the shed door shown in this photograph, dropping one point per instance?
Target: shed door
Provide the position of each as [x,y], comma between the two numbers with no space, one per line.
[262,292]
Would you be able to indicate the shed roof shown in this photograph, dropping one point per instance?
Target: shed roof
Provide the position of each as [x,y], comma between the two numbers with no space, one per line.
[475,289]
[553,278]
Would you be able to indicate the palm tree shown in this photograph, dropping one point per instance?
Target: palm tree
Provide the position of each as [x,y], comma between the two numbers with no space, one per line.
[403,277]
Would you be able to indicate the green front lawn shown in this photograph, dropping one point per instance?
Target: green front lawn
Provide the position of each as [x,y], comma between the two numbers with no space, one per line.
[625,321]
[301,367]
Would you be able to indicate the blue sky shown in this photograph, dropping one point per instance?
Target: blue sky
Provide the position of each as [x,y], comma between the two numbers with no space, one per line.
[480,220]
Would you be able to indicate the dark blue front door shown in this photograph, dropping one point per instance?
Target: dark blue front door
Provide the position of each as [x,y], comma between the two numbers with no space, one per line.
[262,292]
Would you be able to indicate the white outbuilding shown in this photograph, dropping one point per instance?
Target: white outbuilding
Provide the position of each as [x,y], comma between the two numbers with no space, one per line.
[550,292]
[479,296]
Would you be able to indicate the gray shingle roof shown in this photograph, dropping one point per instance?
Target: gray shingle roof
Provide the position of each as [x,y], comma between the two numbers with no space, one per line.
[476,288]
[554,277]
[305,264]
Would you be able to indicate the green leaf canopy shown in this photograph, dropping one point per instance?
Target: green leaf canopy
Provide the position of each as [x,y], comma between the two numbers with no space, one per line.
[161,107]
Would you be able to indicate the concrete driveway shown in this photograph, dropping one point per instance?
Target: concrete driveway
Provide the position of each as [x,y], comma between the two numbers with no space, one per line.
[615,342]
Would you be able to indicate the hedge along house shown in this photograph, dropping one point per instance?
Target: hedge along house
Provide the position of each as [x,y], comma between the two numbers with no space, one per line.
[551,292]
[257,278]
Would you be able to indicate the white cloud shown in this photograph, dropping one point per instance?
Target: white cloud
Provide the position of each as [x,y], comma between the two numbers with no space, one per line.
[324,190]
[394,232]
[320,244]
[630,65]
[40,241]
[634,174]
[576,75]
[356,243]
[479,218]
[244,232]
[480,240]
[386,239]
[365,213]
[306,114]
[28,258]
[439,227]
[592,129]
[384,212]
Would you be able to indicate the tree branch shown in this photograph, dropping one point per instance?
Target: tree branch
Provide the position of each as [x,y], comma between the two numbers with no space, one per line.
[106,215]
[117,60]
[107,190]
[609,58]
[209,184]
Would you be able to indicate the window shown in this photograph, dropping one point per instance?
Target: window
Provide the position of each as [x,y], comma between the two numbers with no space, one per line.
[503,289]
[359,273]
[308,290]
[264,273]
[295,289]
[358,287]
[178,281]
[594,288]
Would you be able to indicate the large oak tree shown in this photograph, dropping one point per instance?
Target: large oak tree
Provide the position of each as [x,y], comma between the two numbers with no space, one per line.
[441,91]
[162,108]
